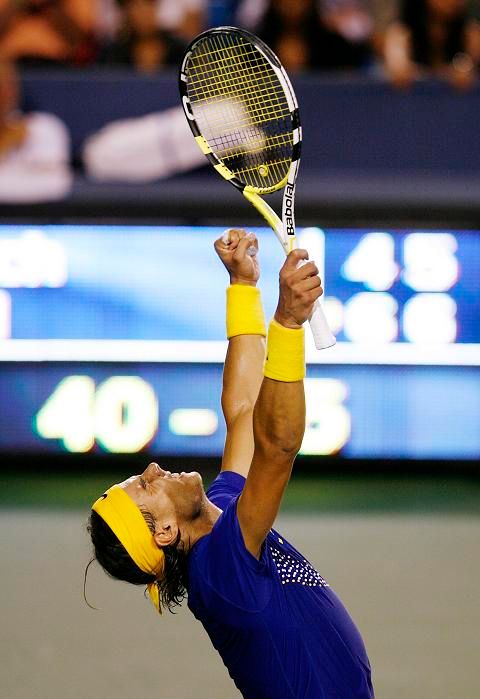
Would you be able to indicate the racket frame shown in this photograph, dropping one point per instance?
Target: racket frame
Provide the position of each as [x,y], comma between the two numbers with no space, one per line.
[284,228]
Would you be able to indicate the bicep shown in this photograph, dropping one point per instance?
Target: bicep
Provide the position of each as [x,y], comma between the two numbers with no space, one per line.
[242,378]
[260,500]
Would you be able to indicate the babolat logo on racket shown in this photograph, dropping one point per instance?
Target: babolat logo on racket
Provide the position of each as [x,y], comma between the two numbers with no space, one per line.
[288,210]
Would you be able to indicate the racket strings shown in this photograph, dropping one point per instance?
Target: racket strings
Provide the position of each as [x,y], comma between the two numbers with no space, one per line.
[241,109]
[267,143]
[242,57]
[227,72]
[262,100]
[221,69]
[268,107]
[257,97]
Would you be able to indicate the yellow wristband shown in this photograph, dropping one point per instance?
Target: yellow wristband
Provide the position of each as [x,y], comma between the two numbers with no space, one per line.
[244,311]
[285,358]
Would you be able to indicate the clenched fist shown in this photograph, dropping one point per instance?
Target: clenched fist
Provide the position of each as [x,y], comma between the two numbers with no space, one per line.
[238,249]
[300,287]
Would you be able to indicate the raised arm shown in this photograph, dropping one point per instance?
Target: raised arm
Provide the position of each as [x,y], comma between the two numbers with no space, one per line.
[242,375]
[279,416]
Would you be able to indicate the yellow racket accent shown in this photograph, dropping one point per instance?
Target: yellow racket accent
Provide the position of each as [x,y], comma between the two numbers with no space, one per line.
[264,209]
[224,171]
[241,110]
[203,145]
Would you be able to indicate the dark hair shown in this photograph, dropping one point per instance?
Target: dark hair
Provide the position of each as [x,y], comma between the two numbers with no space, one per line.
[116,562]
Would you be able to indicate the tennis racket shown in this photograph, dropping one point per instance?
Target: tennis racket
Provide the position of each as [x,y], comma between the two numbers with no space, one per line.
[243,113]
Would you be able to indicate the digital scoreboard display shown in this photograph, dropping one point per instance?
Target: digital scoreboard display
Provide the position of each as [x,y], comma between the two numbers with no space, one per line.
[112,339]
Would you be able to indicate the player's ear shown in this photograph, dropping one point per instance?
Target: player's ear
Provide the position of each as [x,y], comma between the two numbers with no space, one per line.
[166,533]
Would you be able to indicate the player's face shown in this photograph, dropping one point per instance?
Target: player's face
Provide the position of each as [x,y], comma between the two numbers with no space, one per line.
[160,492]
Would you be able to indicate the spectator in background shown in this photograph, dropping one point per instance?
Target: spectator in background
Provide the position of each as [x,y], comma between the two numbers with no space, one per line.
[351,19]
[47,32]
[34,149]
[304,39]
[140,42]
[437,37]
[383,14]
[182,19]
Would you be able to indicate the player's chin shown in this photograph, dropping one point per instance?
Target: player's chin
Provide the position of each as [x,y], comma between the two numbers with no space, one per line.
[193,483]
[192,475]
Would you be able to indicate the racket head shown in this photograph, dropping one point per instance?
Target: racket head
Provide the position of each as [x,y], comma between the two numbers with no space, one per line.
[241,108]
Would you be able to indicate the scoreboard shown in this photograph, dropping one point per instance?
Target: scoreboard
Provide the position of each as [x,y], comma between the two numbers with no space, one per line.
[112,340]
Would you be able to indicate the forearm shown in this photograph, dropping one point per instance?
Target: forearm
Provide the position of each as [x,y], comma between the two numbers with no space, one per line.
[243,370]
[242,375]
[279,422]
[242,378]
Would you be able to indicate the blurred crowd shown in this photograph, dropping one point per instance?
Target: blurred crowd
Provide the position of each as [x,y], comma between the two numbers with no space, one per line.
[402,38]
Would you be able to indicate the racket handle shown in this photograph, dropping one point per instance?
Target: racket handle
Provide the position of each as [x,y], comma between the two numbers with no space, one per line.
[322,335]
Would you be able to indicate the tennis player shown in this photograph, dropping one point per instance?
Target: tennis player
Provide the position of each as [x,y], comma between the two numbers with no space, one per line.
[278,626]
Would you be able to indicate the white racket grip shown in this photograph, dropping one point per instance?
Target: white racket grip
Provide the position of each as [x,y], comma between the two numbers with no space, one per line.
[322,335]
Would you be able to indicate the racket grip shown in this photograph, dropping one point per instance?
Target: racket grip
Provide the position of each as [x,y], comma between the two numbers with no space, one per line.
[322,335]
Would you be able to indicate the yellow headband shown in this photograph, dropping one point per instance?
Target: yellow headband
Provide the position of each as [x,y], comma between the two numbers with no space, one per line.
[126,521]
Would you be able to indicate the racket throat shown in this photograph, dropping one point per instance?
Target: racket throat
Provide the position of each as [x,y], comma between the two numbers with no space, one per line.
[268,214]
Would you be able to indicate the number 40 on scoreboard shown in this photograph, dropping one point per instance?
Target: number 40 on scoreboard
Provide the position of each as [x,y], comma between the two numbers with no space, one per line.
[121,414]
